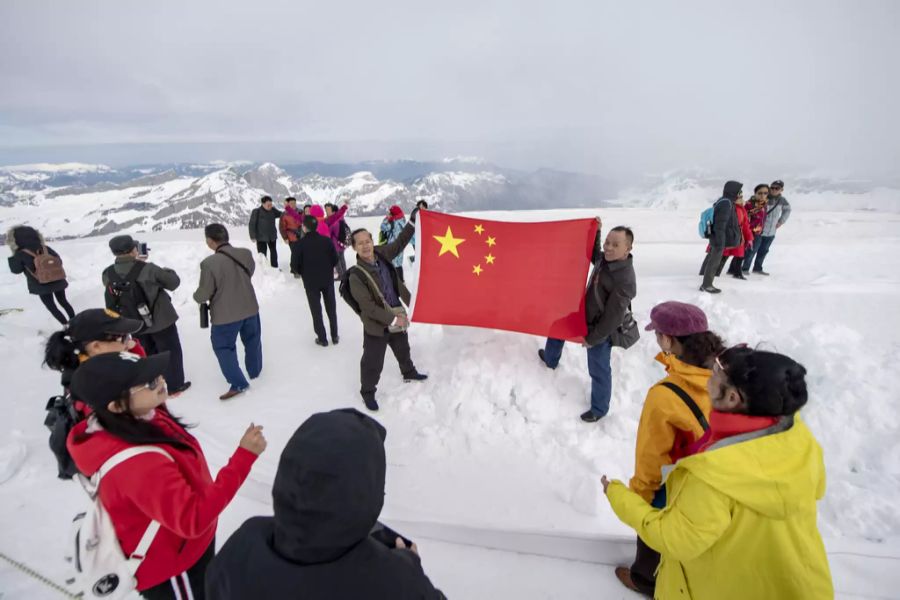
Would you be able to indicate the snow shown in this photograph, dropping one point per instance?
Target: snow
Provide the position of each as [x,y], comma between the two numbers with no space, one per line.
[492,441]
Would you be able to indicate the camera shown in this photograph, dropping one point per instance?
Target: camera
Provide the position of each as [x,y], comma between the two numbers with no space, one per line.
[142,248]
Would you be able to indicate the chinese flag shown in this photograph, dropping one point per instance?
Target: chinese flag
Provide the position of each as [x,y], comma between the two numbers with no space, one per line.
[527,277]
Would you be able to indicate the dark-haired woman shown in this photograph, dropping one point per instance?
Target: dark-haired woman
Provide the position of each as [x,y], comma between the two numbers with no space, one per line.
[740,519]
[674,416]
[127,397]
[26,243]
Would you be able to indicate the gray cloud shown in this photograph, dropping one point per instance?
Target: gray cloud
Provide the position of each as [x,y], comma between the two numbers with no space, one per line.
[598,86]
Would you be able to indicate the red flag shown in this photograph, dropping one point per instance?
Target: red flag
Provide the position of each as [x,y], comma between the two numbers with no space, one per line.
[527,277]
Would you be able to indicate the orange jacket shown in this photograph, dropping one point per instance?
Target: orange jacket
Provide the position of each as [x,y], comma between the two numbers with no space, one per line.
[667,425]
[289,226]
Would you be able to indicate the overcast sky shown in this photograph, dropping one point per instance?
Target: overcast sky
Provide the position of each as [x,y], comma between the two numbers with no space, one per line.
[596,86]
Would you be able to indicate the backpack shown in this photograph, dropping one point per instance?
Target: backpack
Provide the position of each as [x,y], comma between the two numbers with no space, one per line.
[344,290]
[126,296]
[101,568]
[47,268]
[344,233]
[61,418]
[706,220]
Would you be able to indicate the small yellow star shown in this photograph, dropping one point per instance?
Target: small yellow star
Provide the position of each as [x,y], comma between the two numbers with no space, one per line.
[477,269]
[449,243]
[490,259]
[479,229]
[491,241]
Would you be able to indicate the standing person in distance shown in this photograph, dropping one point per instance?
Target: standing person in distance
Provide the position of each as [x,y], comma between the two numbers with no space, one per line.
[380,293]
[132,281]
[737,253]
[27,246]
[289,226]
[127,396]
[340,234]
[778,211]
[225,283]
[263,230]
[610,290]
[390,230]
[726,233]
[756,212]
[315,262]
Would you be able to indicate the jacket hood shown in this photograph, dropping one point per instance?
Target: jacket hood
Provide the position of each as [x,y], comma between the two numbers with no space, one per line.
[778,475]
[396,213]
[317,211]
[23,236]
[690,378]
[329,488]
[732,189]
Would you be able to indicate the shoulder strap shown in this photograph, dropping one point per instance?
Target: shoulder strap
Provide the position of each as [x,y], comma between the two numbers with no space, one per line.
[374,284]
[686,398]
[237,262]
[119,457]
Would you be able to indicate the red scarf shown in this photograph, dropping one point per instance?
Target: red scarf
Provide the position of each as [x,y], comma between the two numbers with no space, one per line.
[725,425]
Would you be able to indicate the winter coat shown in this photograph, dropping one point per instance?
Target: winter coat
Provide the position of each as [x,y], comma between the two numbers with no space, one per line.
[778,210]
[180,494]
[334,228]
[315,258]
[226,286]
[20,239]
[289,226]
[262,224]
[390,231]
[374,314]
[154,281]
[319,213]
[609,293]
[726,231]
[668,427]
[740,521]
[746,233]
[757,215]
[327,496]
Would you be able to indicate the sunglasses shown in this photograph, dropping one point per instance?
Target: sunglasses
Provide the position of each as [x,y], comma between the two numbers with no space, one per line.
[153,385]
[776,188]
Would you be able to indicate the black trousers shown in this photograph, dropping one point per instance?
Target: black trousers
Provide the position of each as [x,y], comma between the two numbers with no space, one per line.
[176,587]
[261,247]
[314,296]
[643,570]
[293,246]
[162,341]
[372,363]
[711,264]
[47,299]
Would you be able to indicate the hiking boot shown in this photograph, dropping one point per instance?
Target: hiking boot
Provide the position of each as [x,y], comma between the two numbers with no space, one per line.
[590,417]
[710,289]
[179,391]
[544,360]
[231,394]
[623,574]
[369,401]
[335,340]
[760,272]
[322,343]
[738,276]
[415,376]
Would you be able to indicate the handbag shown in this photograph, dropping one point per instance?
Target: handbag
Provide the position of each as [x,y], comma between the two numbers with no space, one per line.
[627,334]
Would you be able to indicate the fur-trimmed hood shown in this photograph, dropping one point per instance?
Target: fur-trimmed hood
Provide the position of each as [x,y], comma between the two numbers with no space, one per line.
[27,237]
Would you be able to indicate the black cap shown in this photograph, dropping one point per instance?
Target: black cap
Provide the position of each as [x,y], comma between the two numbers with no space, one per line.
[122,244]
[97,323]
[777,183]
[106,377]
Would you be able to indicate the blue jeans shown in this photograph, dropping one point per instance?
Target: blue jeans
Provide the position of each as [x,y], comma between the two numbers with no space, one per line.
[598,368]
[224,343]
[760,249]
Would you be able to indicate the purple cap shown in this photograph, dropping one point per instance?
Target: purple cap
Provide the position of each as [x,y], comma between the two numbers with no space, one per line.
[677,319]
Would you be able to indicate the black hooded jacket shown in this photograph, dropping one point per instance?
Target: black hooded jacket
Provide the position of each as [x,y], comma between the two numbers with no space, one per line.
[327,495]
[726,230]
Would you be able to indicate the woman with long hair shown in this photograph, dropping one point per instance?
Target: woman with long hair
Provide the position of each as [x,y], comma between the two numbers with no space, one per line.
[127,396]
[26,245]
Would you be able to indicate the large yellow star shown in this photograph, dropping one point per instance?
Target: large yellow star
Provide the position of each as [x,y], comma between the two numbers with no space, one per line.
[491,241]
[449,243]
[477,269]
[479,229]
[489,258]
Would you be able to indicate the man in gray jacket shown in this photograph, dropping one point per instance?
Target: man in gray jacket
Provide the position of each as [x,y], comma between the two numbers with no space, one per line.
[140,290]
[263,229]
[778,210]
[726,233]
[608,296]
[225,283]
[378,289]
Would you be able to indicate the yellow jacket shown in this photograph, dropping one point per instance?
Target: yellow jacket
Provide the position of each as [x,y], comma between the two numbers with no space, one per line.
[740,523]
[667,422]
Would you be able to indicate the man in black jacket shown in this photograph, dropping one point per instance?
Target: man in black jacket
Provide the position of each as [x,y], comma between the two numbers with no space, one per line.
[160,332]
[607,299]
[263,229]
[327,496]
[726,233]
[314,259]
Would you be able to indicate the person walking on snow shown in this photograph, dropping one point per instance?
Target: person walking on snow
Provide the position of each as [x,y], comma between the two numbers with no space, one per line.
[26,245]
[726,233]
[391,227]
[380,293]
[610,290]
[263,230]
[315,261]
[737,253]
[289,227]
[740,518]
[172,486]
[225,283]
[778,210]
[339,232]
[674,416]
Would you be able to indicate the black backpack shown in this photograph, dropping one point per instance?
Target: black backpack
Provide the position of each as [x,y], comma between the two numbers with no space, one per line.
[344,290]
[61,418]
[124,294]
[344,233]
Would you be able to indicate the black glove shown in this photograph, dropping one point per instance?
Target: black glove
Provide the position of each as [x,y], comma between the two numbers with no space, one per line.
[413,214]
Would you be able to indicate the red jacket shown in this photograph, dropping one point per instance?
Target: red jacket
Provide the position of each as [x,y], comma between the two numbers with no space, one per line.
[725,425]
[746,232]
[181,495]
